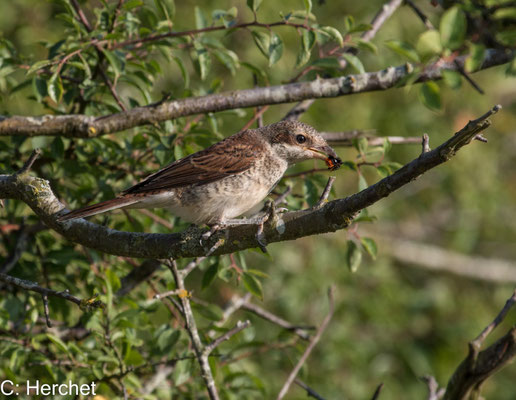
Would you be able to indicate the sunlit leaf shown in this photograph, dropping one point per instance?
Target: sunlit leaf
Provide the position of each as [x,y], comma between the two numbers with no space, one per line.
[453,28]
[369,246]
[403,49]
[252,285]
[430,95]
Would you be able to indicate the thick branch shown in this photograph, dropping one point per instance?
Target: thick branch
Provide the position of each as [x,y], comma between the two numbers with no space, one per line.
[88,126]
[334,215]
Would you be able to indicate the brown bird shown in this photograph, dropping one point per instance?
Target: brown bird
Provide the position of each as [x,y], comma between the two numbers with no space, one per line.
[222,182]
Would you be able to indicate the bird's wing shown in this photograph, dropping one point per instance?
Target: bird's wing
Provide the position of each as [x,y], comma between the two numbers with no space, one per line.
[231,156]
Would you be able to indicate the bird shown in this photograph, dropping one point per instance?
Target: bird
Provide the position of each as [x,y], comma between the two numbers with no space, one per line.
[225,180]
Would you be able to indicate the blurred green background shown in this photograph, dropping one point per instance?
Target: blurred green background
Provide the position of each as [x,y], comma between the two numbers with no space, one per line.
[394,321]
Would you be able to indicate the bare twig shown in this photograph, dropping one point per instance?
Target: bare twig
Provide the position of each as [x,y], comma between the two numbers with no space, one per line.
[310,347]
[434,391]
[191,327]
[34,287]
[420,14]
[29,163]
[376,394]
[466,76]
[478,366]
[479,341]
[195,263]
[325,194]
[267,315]
[425,143]
[346,138]
[309,391]
[240,326]
[379,19]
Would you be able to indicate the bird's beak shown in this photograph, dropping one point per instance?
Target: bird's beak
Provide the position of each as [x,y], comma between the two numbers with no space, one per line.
[323,152]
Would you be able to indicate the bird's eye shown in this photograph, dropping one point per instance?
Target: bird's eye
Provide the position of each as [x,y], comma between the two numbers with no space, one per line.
[301,138]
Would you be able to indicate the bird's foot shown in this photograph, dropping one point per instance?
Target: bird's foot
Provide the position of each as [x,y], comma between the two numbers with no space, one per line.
[270,214]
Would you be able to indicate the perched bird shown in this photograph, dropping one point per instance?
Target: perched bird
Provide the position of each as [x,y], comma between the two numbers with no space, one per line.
[222,182]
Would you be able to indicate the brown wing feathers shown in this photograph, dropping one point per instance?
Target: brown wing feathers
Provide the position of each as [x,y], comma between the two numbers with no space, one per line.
[228,157]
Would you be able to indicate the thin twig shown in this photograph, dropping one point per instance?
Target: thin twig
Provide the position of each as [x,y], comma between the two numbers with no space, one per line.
[420,14]
[34,287]
[310,347]
[46,311]
[466,76]
[195,263]
[425,144]
[434,392]
[240,326]
[377,392]
[28,164]
[326,192]
[255,117]
[267,315]
[191,328]
[380,18]
[479,341]
[309,391]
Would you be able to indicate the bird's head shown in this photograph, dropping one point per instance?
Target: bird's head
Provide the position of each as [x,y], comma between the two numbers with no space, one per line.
[296,141]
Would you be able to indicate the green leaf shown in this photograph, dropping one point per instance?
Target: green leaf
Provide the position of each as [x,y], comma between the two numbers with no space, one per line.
[275,48]
[403,49]
[361,144]
[307,43]
[38,65]
[262,41]
[476,58]
[228,58]
[366,45]
[354,61]
[167,339]
[254,4]
[362,183]
[353,256]
[55,88]
[167,8]
[369,246]
[327,62]
[333,33]
[308,6]
[58,342]
[429,44]
[452,79]
[430,96]
[200,19]
[252,285]
[203,60]
[184,72]
[210,274]
[114,61]
[349,22]
[453,28]
[57,147]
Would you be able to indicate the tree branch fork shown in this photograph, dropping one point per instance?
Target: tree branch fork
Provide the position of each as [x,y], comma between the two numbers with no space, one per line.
[327,217]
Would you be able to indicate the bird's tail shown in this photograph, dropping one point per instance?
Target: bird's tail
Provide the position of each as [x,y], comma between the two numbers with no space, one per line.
[98,208]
